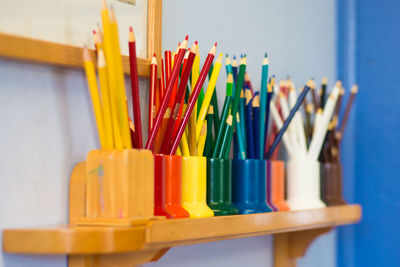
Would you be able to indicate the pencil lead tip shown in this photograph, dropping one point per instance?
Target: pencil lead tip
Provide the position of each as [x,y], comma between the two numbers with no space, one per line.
[154,54]
[94,31]
[196,43]
[187,37]
[226,55]
[130,29]
[245,55]
[215,44]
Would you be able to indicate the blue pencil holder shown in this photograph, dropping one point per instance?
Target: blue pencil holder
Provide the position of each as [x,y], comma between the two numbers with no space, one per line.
[249,186]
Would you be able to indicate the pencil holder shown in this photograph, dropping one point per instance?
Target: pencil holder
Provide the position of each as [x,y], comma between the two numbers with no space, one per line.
[194,186]
[331,184]
[249,185]
[173,187]
[159,186]
[269,187]
[277,185]
[119,184]
[303,185]
[219,187]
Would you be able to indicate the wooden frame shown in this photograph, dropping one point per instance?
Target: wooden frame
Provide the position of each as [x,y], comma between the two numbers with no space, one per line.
[28,49]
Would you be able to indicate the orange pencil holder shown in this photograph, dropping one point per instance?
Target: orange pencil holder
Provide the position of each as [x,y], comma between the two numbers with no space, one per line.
[173,187]
[276,185]
[119,185]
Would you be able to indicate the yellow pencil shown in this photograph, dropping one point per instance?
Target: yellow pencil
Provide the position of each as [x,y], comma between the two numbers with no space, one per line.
[94,95]
[208,96]
[105,97]
[120,79]
[184,146]
[202,139]
[111,74]
[178,151]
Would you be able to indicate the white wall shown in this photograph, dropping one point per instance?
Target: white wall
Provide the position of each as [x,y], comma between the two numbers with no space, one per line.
[47,123]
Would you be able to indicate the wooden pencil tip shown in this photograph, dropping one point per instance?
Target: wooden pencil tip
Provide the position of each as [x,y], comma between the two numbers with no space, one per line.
[219,59]
[310,83]
[230,78]
[86,54]
[310,108]
[103,5]
[354,89]
[131,37]
[324,81]
[338,84]
[281,95]
[246,77]
[256,101]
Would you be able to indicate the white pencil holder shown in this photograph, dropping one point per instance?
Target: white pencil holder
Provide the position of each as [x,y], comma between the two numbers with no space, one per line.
[303,185]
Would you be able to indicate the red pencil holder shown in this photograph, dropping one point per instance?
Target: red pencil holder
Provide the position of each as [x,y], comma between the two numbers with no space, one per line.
[277,192]
[159,186]
[173,187]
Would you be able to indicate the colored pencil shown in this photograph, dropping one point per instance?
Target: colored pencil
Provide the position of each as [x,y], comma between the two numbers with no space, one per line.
[209,146]
[234,72]
[278,124]
[193,98]
[120,81]
[224,115]
[256,123]
[322,126]
[249,125]
[178,101]
[314,98]
[111,74]
[152,94]
[323,92]
[289,119]
[202,139]
[168,66]
[193,117]
[94,95]
[214,101]
[354,91]
[164,104]
[235,109]
[162,77]
[106,101]
[207,98]
[263,106]
[135,89]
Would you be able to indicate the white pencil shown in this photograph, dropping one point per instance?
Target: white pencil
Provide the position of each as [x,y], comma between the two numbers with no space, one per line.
[322,127]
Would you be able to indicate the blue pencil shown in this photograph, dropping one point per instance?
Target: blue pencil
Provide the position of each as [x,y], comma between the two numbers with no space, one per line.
[270,94]
[288,120]
[249,125]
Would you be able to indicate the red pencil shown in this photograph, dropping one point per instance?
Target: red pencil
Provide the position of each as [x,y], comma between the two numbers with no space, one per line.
[193,98]
[164,104]
[162,77]
[168,67]
[178,100]
[152,95]
[135,89]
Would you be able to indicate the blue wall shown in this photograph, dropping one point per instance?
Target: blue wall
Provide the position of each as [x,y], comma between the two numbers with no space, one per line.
[368,52]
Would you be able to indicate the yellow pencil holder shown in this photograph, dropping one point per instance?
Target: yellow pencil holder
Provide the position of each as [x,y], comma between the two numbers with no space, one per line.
[119,184]
[194,187]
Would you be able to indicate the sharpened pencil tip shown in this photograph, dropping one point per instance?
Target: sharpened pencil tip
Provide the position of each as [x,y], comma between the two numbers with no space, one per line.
[234,57]
[215,44]
[354,89]
[187,37]
[266,54]
[94,31]
[130,29]
[196,43]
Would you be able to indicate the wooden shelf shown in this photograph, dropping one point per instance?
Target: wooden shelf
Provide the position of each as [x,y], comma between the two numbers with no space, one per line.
[159,234]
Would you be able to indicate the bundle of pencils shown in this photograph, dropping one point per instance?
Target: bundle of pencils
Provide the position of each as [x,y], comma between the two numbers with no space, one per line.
[319,135]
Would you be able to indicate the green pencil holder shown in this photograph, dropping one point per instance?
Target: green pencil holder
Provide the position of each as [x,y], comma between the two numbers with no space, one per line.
[219,187]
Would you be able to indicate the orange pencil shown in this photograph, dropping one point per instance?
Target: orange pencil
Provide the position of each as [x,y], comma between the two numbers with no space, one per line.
[152,95]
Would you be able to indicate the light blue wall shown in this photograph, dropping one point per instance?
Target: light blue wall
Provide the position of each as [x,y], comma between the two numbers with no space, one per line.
[48,125]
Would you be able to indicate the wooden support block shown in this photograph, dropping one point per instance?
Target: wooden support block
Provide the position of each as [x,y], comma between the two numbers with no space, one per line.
[290,246]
